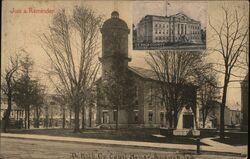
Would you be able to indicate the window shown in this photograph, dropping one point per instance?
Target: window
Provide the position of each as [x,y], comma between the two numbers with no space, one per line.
[162,116]
[136,102]
[105,117]
[136,91]
[155,25]
[156,38]
[150,95]
[136,116]
[150,116]
[115,115]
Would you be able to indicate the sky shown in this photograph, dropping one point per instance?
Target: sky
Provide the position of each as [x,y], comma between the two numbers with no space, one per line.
[21,30]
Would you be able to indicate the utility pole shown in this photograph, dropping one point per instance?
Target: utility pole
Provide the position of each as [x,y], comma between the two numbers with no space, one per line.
[166,7]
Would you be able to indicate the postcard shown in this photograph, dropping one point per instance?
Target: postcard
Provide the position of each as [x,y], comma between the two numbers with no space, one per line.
[124,79]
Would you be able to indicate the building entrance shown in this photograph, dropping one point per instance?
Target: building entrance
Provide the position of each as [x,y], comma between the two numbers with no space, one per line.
[188,121]
[105,118]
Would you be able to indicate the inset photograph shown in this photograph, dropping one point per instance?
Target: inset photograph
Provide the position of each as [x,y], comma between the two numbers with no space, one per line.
[165,25]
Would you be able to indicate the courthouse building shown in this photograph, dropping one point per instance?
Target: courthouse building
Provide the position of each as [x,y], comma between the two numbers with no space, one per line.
[169,29]
[143,107]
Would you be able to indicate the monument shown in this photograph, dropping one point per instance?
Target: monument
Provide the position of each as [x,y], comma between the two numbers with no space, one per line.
[186,125]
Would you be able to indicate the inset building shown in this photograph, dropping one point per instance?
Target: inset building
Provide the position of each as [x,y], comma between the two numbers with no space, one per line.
[169,29]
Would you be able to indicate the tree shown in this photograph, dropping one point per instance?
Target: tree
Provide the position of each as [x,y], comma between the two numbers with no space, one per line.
[38,102]
[8,86]
[62,100]
[89,104]
[27,91]
[208,93]
[176,70]
[71,45]
[23,88]
[231,38]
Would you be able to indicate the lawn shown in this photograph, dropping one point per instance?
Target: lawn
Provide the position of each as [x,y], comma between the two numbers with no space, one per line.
[143,135]
[234,139]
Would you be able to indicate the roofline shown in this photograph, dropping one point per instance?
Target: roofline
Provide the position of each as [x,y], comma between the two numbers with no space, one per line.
[151,79]
[132,69]
[160,16]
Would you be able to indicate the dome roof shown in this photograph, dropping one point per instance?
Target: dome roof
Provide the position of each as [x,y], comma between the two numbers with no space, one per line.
[115,22]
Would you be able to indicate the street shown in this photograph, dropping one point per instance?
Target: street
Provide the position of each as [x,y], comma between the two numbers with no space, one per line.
[12,148]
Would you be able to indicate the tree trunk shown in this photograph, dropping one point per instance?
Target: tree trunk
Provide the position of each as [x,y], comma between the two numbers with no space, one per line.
[70,117]
[37,118]
[63,122]
[203,119]
[170,119]
[77,124]
[47,118]
[222,109]
[175,118]
[203,123]
[17,117]
[117,119]
[51,120]
[28,117]
[6,117]
[83,117]
[90,117]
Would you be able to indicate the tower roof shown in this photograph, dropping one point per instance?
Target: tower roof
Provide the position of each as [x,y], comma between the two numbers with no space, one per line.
[115,22]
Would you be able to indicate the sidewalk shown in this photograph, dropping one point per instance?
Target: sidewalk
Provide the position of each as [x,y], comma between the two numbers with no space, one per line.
[225,147]
[214,147]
